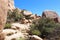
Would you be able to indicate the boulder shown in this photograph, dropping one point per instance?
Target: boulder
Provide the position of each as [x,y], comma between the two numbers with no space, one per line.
[24,21]
[19,26]
[33,16]
[34,37]
[29,21]
[14,36]
[27,13]
[50,14]
[9,32]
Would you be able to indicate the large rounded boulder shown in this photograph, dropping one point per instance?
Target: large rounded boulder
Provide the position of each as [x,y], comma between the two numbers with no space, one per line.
[27,13]
[50,14]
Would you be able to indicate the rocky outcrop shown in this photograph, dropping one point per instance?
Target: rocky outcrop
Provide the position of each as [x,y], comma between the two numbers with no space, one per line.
[3,15]
[8,32]
[34,16]
[11,5]
[50,14]
[20,27]
[16,32]
[12,34]
[27,13]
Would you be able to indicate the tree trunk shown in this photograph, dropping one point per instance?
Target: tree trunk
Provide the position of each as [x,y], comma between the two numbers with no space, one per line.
[3,16]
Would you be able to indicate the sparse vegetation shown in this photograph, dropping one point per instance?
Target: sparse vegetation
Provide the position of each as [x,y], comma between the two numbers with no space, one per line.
[20,38]
[14,16]
[43,27]
[7,25]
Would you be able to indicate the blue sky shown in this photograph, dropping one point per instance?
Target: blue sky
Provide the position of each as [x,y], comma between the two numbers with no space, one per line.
[38,6]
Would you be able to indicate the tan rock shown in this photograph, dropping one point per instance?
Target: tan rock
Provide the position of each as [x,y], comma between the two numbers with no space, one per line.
[11,5]
[29,21]
[50,14]
[20,27]
[9,32]
[59,19]
[3,16]
[34,37]
[14,36]
[3,13]
[27,13]
[2,36]
[33,16]
[24,21]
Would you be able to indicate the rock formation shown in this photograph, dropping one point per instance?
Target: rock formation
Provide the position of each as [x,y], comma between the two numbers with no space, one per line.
[16,31]
[51,14]
[27,13]
[11,5]
[3,15]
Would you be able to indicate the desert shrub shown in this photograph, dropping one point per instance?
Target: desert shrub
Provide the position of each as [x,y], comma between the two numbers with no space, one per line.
[9,15]
[45,26]
[14,16]
[35,32]
[7,25]
[17,15]
[20,38]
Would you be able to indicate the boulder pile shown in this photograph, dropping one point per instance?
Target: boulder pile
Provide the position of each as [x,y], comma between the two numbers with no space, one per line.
[16,31]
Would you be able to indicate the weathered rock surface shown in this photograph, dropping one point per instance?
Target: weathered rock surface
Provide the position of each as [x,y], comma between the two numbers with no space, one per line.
[50,14]
[17,30]
[59,19]
[3,16]
[3,13]
[34,16]
[20,27]
[11,5]
[27,13]
[14,36]
[34,37]
[8,32]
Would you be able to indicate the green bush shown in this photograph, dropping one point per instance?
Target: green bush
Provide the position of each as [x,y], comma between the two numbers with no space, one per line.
[7,25]
[44,26]
[9,15]
[14,16]
[20,38]
[36,32]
